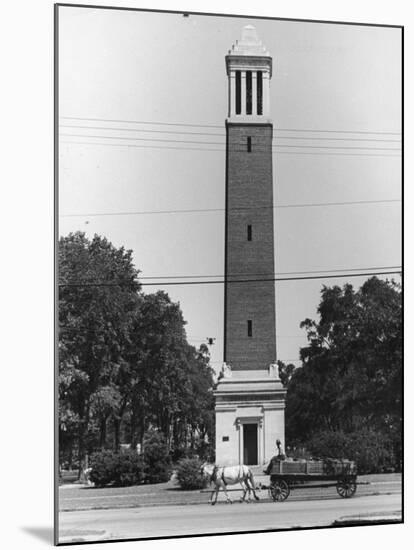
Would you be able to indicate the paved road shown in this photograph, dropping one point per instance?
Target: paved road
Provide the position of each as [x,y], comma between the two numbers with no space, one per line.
[191,519]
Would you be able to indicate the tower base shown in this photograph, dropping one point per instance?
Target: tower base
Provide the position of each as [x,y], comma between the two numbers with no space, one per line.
[250,416]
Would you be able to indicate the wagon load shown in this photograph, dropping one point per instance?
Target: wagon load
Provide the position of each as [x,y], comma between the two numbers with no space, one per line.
[328,466]
[294,474]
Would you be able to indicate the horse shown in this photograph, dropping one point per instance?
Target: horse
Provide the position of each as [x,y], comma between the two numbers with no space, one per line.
[221,476]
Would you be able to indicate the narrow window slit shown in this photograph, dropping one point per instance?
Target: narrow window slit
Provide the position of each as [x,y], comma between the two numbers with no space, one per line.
[249,328]
[249,144]
[249,232]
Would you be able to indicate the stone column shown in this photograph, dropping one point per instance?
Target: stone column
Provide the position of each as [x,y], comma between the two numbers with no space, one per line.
[260,441]
[232,94]
[243,93]
[254,93]
[239,427]
[266,93]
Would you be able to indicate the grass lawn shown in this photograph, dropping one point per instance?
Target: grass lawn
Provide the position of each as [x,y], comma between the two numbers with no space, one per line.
[80,497]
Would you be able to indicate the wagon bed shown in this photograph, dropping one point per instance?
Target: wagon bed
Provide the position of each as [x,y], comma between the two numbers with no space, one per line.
[286,475]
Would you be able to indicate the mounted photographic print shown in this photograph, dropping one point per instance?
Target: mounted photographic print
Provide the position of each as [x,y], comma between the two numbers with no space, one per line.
[229,262]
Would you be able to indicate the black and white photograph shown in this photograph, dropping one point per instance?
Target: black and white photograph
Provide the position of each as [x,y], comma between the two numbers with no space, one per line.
[229,313]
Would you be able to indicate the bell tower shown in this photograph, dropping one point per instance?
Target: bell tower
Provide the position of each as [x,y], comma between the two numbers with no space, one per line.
[249,396]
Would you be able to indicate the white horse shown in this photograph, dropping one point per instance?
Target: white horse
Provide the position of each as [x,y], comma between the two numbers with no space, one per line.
[221,476]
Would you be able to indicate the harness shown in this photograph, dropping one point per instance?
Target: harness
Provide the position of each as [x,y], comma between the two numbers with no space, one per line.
[213,477]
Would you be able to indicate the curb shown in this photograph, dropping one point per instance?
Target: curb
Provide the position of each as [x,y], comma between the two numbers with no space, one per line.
[84,536]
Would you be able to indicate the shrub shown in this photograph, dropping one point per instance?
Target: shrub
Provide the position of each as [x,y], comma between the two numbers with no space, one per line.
[117,468]
[371,450]
[189,474]
[156,457]
[130,469]
[103,464]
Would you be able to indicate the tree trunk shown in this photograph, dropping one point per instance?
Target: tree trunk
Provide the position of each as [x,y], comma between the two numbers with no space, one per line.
[117,425]
[142,431]
[81,441]
[134,430]
[102,436]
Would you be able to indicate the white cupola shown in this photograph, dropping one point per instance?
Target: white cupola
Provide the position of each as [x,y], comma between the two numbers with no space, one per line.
[249,69]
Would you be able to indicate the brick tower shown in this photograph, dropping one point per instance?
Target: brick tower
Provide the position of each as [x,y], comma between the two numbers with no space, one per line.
[249,397]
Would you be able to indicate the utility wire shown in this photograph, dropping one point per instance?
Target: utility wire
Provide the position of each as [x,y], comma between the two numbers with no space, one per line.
[271,279]
[144,130]
[222,134]
[229,275]
[193,142]
[143,146]
[222,150]
[359,269]
[239,209]
[157,123]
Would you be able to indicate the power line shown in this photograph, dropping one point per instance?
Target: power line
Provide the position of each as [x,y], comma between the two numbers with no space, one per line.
[221,134]
[129,145]
[270,274]
[239,209]
[237,281]
[144,130]
[339,131]
[222,150]
[193,142]
[146,139]
[338,154]
[270,279]
[157,123]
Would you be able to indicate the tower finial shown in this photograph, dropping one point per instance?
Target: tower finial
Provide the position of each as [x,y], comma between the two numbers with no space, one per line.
[249,68]
[250,43]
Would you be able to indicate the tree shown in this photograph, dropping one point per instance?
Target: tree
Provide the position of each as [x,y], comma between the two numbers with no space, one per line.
[98,288]
[351,377]
[285,372]
[170,382]
[125,366]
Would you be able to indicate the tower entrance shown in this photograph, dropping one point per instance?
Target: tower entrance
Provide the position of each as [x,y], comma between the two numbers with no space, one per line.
[250,444]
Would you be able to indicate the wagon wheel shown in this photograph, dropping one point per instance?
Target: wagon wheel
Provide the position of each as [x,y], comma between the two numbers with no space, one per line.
[346,488]
[279,490]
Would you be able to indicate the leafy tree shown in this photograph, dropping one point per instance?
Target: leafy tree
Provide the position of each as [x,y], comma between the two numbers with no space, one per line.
[351,377]
[170,383]
[125,365]
[97,291]
[285,372]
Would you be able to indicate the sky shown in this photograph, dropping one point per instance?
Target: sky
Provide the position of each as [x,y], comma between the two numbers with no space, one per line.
[134,84]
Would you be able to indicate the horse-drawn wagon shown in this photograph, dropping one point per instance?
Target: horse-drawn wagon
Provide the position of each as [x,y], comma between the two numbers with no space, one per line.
[286,475]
